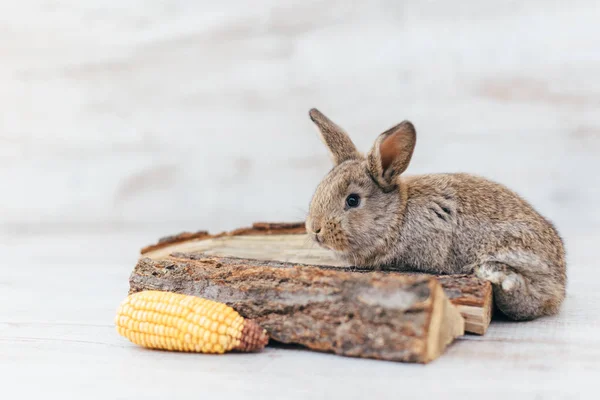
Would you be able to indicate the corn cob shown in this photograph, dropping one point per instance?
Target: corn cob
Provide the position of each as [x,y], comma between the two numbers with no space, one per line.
[171,321]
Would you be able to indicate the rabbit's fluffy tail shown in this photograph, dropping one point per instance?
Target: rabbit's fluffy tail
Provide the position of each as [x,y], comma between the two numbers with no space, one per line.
[518,296]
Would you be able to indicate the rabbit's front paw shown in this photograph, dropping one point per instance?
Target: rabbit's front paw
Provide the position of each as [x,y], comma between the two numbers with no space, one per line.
[499,275]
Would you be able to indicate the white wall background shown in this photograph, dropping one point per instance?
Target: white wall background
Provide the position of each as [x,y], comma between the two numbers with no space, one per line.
[163,116]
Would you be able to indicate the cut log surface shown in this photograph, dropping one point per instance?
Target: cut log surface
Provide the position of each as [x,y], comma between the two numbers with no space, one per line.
[288,242]
[373,315]
[473,298]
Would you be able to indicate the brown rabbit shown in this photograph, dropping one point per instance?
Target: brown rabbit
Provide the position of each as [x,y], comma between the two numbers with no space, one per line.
[370,215]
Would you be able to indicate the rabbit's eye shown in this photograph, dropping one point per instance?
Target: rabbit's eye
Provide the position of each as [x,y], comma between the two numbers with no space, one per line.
[353,200]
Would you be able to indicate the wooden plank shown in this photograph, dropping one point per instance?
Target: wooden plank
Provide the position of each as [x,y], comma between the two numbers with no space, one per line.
[287,242]
[376,315]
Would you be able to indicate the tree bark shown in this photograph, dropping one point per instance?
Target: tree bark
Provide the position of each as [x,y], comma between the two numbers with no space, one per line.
[374,315]
[288,242]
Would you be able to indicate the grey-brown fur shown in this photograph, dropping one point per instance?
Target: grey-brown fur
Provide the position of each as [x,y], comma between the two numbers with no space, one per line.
[438,223]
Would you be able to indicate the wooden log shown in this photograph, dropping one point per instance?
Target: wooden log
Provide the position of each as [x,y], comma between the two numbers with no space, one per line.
[288,242]
[473,298]
[375,315]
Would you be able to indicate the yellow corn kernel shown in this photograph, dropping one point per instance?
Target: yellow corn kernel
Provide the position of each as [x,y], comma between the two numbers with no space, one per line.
[171,321]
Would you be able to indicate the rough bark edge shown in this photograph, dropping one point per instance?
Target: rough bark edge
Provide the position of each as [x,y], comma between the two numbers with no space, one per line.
[443,325]
[257,228]
[477,315]
[472,289]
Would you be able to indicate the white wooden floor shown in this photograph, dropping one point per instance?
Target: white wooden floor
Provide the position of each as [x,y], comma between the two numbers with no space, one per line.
[127,120]
[57,340]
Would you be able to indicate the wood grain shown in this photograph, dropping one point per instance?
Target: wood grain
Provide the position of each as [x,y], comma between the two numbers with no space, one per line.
[258,228]
[287,242]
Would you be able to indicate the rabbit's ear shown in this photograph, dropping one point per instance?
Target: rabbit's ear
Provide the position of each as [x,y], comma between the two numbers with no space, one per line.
[391,154]
[337,141]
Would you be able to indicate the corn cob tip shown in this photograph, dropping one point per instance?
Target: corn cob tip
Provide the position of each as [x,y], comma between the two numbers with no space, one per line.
[254,338]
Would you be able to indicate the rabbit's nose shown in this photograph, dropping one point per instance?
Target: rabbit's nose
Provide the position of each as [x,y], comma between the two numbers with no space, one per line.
[316,227]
